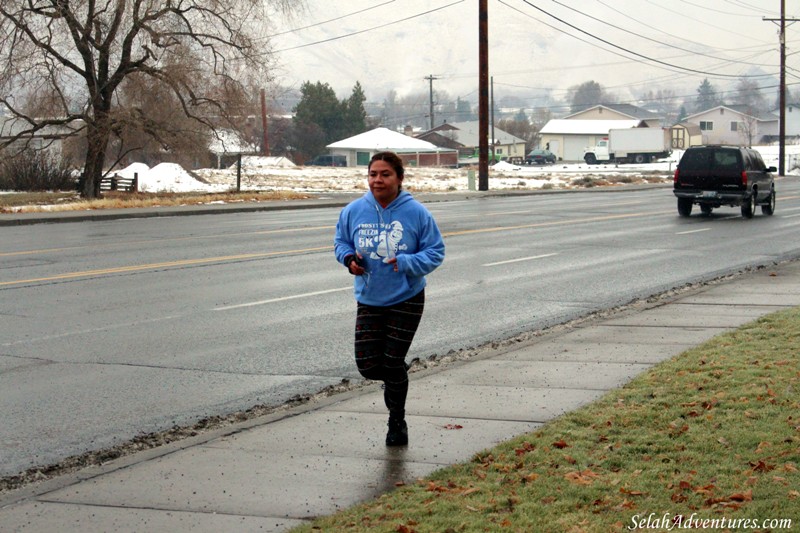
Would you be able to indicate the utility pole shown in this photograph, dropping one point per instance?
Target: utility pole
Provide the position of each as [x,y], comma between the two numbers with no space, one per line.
[782,90]
[430,79]
[483,96]
[491,121]
[265,144]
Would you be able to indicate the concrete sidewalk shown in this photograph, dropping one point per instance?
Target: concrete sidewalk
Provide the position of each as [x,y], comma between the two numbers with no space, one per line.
[272,473]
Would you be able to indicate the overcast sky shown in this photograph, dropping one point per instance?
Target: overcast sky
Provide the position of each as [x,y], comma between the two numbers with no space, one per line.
[625,45]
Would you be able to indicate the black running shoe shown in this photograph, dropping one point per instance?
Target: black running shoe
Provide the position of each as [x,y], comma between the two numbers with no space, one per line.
[398,433]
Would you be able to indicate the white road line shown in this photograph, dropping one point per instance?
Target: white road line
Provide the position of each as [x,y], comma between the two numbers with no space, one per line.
[519,259]
[790,216]
[693,231]
[282,299]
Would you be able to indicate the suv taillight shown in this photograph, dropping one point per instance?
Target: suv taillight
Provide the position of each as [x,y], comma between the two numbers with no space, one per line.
[744,178]
[675,178]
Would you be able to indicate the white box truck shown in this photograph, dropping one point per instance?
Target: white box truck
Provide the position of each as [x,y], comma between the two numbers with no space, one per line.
[631,145]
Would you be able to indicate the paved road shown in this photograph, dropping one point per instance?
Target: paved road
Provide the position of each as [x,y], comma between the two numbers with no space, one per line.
[114,328]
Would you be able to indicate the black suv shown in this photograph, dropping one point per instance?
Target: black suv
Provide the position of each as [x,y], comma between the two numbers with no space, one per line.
[713,176]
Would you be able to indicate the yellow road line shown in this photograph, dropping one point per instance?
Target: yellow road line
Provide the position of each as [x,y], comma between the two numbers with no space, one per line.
[125,243]
[154,266]
[189,262]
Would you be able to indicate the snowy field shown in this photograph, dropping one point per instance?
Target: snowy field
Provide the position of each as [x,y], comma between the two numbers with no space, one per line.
[278,174]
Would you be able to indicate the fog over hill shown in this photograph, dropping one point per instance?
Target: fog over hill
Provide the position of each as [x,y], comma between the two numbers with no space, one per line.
[536,48]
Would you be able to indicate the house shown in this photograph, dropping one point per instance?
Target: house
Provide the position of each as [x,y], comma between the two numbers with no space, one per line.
[618,112]
[567,138]
[465,138]
[415,152]
[734,125]
[791,126]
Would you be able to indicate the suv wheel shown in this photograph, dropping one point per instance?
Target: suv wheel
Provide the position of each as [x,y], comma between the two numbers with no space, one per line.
[684,207]
[749,207]
[769,207]
[706,209]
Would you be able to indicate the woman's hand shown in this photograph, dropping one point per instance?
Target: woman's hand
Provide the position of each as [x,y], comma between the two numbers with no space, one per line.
[355,267]
[391,261]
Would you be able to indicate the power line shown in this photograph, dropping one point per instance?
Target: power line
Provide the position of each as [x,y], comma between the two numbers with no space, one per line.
[392,23]
[295,30]
[626,50]
[693,52]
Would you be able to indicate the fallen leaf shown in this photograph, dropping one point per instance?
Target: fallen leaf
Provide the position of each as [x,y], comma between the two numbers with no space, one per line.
[525,448]
[585,477]
[742,496]
[629,492]
[560,444]
[708,489]
[453,426]
[794,494]
[761,466]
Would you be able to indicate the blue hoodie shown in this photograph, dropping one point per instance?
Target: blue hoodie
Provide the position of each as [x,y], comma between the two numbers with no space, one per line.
[404,229]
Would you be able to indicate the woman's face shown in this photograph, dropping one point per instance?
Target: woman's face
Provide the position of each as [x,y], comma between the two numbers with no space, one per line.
[383,182]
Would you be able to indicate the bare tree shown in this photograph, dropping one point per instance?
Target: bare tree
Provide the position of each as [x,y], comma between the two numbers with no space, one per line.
[69,64]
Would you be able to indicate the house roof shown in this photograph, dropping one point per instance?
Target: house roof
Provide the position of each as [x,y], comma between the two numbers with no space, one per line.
[467,134]
[693,129]
[384,139]
[625,109]
[740,109]
[585,127]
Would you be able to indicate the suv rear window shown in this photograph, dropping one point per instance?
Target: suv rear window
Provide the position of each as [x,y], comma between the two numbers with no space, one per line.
[711,159]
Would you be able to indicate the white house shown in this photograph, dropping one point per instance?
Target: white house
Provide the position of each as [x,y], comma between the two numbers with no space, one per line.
[415,152]
[734,124]
[618,112]
[567,138]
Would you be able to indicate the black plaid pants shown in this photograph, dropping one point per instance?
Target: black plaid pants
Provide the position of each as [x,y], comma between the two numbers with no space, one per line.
[383,338]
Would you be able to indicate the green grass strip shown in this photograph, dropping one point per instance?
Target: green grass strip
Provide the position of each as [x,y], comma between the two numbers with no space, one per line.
[713,434]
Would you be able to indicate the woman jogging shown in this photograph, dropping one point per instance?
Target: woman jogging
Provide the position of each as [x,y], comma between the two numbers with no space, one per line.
[389,242]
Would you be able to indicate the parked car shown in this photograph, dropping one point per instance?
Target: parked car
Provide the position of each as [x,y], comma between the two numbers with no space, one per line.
[329,161]
[713,176]
[540,157]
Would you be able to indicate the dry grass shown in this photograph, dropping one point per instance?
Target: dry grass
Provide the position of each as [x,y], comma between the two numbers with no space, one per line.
[67,201]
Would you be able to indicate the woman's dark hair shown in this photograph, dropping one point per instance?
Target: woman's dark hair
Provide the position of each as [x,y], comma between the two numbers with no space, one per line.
[392,159]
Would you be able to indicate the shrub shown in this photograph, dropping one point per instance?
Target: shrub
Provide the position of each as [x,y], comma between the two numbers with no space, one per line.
[33,170]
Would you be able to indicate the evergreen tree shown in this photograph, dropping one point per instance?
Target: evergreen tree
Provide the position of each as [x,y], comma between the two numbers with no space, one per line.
[355,117]
[317,120]
[706,97]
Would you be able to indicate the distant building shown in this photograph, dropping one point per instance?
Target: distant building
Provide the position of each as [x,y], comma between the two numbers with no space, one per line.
[360,148]
[618,112]
[567,138]
[735,125]
[464,137]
